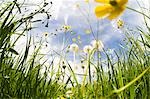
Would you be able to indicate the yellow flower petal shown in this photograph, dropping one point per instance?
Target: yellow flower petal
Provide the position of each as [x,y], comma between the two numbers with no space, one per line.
[122,2]
[114,14]
[112,9]
[102,1]
[104,10]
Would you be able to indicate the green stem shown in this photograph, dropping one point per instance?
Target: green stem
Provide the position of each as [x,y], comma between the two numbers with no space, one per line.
[138,12]
[89,68]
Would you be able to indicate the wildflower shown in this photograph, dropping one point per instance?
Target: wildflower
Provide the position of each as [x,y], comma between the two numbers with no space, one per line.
[97,44]
[87,31]
[110,8]
[87,49]
[120,24]
[74,47]
[67,27]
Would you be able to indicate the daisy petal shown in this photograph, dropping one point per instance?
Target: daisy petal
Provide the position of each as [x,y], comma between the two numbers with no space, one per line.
[104,10]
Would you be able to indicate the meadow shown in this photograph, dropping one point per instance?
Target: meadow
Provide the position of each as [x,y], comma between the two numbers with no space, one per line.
[27,74]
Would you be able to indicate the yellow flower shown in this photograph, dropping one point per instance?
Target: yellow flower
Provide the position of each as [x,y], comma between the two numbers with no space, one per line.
[120,24]
[110,8]
[67,27]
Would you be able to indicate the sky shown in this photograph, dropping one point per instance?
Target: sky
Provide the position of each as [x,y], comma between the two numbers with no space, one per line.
[65,12]
[82,20]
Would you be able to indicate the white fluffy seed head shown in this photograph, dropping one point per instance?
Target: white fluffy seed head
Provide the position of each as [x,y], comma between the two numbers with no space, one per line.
[87,49]
[74,47]
[97,44]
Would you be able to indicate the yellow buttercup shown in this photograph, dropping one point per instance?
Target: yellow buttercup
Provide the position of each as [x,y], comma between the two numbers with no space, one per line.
[110,8]
[120,24]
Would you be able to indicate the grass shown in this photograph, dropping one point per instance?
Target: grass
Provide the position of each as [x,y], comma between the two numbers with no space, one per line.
[126,77]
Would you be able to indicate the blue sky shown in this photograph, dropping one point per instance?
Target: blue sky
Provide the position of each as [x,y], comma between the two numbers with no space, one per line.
[65,12]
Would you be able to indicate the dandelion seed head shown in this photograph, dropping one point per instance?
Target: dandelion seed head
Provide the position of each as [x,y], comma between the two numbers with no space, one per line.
[74,47]
[97,44]
[87,49]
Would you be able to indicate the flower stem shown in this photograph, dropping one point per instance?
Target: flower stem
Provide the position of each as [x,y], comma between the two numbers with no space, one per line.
[138,12]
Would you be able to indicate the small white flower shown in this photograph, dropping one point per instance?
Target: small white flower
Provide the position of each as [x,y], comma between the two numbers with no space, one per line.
[97,44]
[74,47]
[87,49]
